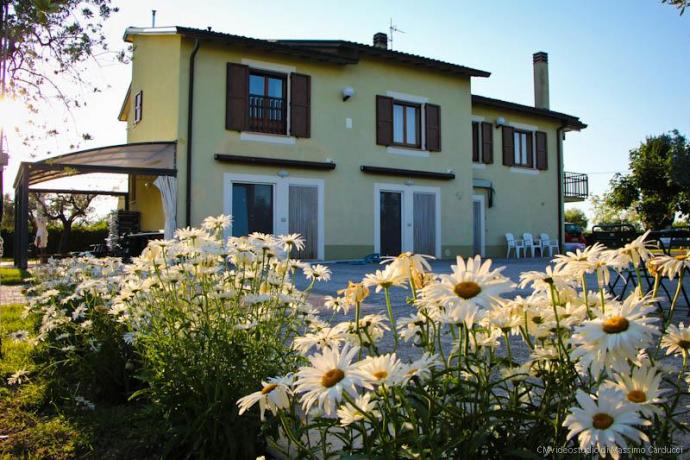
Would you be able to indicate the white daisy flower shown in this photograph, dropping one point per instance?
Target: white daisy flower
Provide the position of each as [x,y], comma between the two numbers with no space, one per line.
[325,337]
[615,336]
[677,339]
[385,369]
[330,374]
[19,377]
[581,261]
[273,396]
[642,389]
[217,223]
[672,266]
[422,367]
[473,282]
[349,414]
[632,253]
[337,304]
[542,281]
[409,264]
[317,272]
[604,422]
[385,279]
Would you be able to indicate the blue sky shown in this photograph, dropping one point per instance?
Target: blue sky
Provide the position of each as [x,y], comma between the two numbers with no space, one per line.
[623,67]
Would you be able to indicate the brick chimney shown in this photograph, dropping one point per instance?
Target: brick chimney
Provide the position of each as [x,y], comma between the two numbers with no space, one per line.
[381,40]
[541,79]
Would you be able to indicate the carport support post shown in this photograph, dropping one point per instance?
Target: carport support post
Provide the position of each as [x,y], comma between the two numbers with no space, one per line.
[21,225]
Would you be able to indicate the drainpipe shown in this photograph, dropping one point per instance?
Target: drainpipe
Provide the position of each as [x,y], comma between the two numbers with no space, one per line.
[559,156]
[190,118]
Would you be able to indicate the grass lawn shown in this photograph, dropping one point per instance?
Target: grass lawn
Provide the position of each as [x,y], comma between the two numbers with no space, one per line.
[12,276]
[32,426]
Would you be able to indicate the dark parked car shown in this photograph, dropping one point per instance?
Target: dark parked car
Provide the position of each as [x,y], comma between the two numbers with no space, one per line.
[574,233]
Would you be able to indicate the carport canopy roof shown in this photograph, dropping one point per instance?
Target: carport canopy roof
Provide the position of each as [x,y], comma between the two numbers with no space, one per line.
[142,158]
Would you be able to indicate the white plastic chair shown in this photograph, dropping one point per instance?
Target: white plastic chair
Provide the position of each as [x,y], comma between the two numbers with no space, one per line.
[548,243]
[516,245]
[530,244]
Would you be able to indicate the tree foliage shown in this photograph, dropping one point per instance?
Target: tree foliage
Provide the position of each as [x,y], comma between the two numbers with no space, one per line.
[680,4]
[605,212]
[658,186]
[65,208]
[576,216]
[44,48]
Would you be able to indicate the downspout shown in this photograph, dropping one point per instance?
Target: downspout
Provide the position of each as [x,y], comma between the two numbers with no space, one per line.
[190,132]
[559,156]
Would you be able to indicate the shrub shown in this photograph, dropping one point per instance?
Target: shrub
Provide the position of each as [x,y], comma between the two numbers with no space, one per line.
[81,340]
[211,319]
[491,377]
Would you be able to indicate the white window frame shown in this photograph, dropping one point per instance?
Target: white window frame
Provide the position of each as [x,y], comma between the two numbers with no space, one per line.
[138,106]
[407,214]
[482,243]
[281,205]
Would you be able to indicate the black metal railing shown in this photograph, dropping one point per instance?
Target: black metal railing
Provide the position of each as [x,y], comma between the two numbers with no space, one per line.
[267,114]
[575,186]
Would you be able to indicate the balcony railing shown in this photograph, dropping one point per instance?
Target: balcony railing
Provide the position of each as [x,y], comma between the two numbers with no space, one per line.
[575,187]
[267,114]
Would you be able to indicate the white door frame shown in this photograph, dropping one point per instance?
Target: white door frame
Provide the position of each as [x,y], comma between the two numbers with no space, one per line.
[407,214]
[281,203]
[482,221]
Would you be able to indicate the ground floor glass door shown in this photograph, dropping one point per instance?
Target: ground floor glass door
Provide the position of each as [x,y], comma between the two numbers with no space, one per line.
[252,208]
[391,223]
[424,223]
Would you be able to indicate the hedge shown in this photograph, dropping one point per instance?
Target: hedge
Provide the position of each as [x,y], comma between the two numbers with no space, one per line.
[81,239]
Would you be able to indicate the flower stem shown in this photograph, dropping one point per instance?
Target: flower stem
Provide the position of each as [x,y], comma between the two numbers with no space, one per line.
[391,318]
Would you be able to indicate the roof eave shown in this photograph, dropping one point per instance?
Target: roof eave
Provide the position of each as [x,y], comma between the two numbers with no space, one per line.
[570,122]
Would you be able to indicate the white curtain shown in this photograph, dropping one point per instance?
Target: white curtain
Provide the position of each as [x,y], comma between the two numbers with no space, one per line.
[168,187]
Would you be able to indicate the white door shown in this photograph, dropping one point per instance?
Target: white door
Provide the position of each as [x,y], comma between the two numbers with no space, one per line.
[303,218]
[478,224]
[406,218]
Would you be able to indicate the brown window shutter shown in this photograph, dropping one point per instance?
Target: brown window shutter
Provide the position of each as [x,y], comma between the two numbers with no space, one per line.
[542,153]
[384,120]
[530,150]
[508,146]
[237,97]
[300,105]
[475,141]
[432,123]
[487,143]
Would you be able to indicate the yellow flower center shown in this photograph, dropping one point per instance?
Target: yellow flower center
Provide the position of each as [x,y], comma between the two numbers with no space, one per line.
[615,325]
[380,375]
[684,344]
[268,388]
[332,377]
[601,421]
[467,289]
[637,396]
[682,257]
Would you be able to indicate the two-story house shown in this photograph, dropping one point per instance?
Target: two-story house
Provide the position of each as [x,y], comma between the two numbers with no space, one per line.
[359,148]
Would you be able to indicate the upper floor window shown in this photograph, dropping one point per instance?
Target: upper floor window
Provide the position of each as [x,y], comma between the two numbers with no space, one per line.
[267,102]
[407,124]
[138,106]
[523,153]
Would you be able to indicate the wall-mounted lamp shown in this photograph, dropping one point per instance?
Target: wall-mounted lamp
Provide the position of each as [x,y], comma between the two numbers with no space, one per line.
[283,173]
[500,121]
[348,92]
[409,182]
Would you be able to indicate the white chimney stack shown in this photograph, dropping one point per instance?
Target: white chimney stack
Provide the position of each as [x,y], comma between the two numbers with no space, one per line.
[541,79]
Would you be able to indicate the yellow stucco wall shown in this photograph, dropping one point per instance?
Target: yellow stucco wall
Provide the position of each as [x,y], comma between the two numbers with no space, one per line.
[156,72]
[524,200]
[349,194]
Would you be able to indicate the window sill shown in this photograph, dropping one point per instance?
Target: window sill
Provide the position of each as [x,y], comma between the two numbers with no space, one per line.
[268,138]
[408,152]
[528,171]
[478,165]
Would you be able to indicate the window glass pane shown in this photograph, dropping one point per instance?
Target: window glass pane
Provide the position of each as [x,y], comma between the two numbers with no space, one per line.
[275,87]
[256,85]
[398,124]
[411,127]
[252,208]
[523,147]
[516,148]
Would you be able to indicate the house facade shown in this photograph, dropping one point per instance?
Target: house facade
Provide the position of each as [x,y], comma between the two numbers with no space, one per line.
[359,148]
